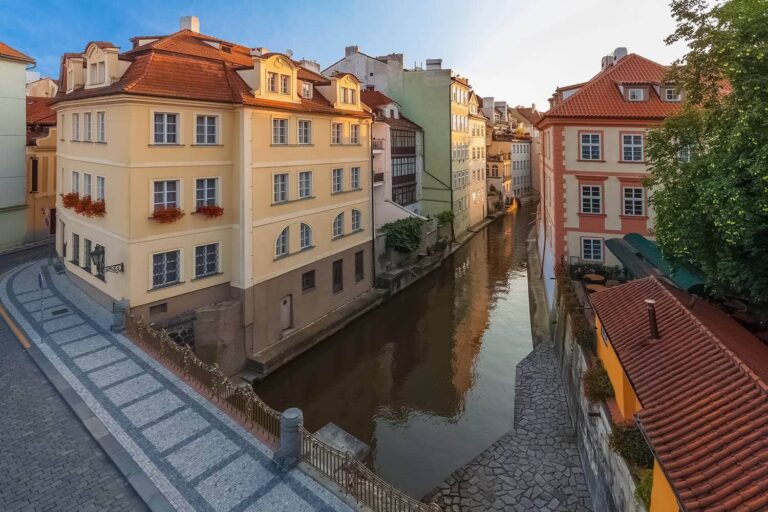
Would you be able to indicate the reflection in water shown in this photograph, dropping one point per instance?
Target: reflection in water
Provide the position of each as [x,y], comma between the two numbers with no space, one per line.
[427,379]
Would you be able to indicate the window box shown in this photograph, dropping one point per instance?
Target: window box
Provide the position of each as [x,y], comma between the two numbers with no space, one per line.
[167,214]
[95,208]
[211,211]
[70,200]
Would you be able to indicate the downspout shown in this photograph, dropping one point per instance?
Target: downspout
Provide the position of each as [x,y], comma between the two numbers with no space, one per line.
[373,215]
[450,176]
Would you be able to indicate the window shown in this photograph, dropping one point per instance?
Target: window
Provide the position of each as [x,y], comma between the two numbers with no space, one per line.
[92,73]
[87,255]
[166,128]
[271,82]
[305,184]
[591,199]
[338,225]
[75,182]
[336,133]
[281,244]
[166,269]
[166,194]
[632,148]
[337,184]
[636,94]
[404,195]
[591,249]
[338,276]
[684,154]
[280,188]
[305,131]
[359,266]
[279,131]
[87,126]
[100,188]
[87,184]
[590,146]
[206,260]
[101,127]
[285,84]
[75,126]
[205,191]
[633,201]
[305,238]
[306,90]
[354,178]
[403,142]
[207,128]
[34,177]
[354,134]
[100,264]
[357,220]
[75,248]
[672,94]
[308,281]
[101,74]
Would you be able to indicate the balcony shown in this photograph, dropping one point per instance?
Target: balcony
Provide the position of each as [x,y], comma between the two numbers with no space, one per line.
[378,146]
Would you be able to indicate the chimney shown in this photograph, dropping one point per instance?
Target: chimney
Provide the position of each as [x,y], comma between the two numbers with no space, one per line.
[259,51]
[189,23]
[434,64]
[350,50]
[619,53]
[650,304]
[606,62]
[289,53]
[310,65]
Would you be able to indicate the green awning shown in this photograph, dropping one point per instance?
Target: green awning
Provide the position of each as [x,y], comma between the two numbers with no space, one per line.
[684,276]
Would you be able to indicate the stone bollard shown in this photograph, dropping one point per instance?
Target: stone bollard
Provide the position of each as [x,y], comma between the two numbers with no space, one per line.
[289,453]
[119,309]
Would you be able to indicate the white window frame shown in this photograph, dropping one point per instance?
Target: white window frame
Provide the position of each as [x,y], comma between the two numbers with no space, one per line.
[632,201]
[277,131]
[591,144]
[338,225]
[87,184]
[306,90]
[101,72]
[631,90]
[153,205]
[357,220]
[285,84]
[305,236]
[283,192]
[308,124]
[633,146]
[76,126]
[354,133]
[334,126]
[165,124]
[672,98]
[75,182]
[272,81]
[218,260]
[87,122]
[101,126]
[591,241]
[101,188]
[282,246]
[179,271]
[308,194]
[216,191]
[354,178]
[337,173]
[217,128]
[590,198]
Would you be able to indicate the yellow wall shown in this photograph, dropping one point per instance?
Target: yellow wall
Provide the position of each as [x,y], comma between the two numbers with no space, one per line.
[662,496]
[40,202]
[625,396]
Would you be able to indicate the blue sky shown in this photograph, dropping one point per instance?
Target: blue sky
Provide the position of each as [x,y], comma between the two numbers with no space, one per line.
[511,49]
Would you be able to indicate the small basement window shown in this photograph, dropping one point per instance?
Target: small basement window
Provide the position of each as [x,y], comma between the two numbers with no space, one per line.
[158,309]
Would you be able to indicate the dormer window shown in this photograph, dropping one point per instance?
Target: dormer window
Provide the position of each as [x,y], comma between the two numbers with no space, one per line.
[70,79]
[285,84]
[636,94]
[348,96]
[671,94]
[272,82]
[306,90]
[101,74]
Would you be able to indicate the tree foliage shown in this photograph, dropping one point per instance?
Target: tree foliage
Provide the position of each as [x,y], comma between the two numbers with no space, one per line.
[403,235]
[712,208]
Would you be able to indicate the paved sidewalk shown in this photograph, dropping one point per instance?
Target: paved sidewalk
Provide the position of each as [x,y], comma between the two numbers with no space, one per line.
[191,455]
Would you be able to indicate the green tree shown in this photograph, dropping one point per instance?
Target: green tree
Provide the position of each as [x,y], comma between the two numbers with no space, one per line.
[710,163]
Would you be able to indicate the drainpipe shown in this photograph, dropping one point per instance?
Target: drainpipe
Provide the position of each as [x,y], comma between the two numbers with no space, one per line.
[450,176]
[373,215]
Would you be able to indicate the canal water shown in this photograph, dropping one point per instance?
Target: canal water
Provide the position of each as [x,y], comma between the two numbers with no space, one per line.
[427,379]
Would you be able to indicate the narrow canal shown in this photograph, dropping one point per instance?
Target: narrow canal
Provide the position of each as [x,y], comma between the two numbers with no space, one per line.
[428,379]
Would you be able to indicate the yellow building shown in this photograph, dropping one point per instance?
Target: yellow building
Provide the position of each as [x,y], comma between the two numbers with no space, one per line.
[478,202]
[41,169]
[214,172]
[692,379]
[460,154]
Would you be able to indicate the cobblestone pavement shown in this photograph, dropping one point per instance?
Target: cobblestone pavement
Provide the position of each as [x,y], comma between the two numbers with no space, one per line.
[48,460]
[534,467]
[195,455]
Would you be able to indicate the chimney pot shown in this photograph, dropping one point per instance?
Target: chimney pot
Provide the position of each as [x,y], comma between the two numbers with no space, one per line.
[350,50]
[434,63]
[650,304]
[189,22]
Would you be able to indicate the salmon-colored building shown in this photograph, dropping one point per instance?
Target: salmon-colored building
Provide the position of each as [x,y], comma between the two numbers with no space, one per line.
[593,159]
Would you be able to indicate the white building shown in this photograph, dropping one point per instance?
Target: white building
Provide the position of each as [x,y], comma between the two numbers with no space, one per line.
[521,167]
[13,128]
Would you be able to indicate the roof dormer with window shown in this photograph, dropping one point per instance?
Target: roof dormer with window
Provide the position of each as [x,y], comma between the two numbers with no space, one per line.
[343,91]
[273,77]
[101,66]
[74,72]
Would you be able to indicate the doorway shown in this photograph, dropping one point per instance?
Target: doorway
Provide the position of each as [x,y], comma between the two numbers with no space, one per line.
[286,312]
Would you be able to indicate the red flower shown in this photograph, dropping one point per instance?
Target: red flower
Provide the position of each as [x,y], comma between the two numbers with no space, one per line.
[167,215]
[82,205]
[210,211]
[95,209]
[70,200]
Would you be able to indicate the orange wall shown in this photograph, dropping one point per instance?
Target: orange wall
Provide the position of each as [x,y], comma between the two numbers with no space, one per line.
[662,496]
[625,395]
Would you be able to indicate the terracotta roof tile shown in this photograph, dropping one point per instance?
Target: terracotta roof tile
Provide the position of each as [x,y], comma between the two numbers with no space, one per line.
[703,387]
[14,54]
[601,97]
[375,99]
[39,111]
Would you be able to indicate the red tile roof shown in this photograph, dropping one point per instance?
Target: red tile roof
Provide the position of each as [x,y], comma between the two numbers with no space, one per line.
[532,116]
[375,99]
[703,387]
[39,111]
[601,97]
[14,54]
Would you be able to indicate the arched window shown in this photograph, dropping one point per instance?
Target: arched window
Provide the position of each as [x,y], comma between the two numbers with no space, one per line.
[357,220]
[281,244]
[338,225]
[306,237]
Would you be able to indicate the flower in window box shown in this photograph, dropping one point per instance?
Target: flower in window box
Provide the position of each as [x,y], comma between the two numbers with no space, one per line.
[95,209]
[82,205]
[70,200]
[210,211]
[167,214]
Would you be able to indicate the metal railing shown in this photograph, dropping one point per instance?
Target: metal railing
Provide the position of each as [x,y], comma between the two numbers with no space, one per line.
[343,469]
[239,400]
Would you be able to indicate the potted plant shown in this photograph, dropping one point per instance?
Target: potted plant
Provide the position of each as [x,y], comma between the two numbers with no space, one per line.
[81,207]
[70,200]
[210,211]
[167,214]
[95,209]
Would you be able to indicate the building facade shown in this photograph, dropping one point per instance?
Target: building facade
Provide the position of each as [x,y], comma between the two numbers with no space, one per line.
[41,168]
[593,160]
[217,173]
[521,167]
[13,179]
[478,196]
